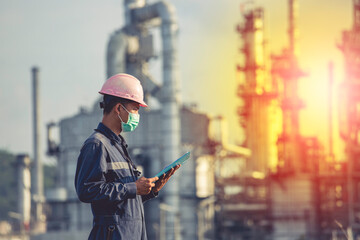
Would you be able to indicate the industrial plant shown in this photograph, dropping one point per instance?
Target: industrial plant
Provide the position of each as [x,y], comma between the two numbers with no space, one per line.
[277,185]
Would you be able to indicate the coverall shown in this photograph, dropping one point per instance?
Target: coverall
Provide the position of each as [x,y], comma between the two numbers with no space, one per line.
[105,177]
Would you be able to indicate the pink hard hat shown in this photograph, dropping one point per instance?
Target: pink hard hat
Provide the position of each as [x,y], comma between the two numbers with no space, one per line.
[124,86]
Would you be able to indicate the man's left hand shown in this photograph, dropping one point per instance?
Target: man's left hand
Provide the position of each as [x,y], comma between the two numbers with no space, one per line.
[164,178]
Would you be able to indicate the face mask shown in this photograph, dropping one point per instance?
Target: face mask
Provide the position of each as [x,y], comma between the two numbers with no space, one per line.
[131,124]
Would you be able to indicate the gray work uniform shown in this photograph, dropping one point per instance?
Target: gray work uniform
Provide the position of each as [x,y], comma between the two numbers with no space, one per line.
[105,177]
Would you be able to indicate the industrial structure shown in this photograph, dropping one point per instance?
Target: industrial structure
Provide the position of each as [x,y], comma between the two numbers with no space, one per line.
[278,185]
[24,186]
[159,139]
[38,186]
[349,116]
[308,194]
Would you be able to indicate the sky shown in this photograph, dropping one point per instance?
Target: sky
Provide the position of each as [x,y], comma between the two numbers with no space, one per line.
[67,40]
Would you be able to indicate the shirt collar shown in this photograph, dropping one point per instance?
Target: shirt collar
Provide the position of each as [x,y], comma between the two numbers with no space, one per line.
[123,142]
[108,133]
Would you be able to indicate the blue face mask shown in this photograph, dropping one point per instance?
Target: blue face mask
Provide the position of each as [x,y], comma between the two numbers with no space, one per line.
[131,124]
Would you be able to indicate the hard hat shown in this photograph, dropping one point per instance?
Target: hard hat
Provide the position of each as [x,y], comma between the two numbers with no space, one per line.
[124,86]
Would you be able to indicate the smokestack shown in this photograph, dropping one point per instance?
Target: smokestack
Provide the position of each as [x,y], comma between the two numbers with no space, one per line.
[38,184]
[293,31]
[331,81]
[38,189]
[24,195]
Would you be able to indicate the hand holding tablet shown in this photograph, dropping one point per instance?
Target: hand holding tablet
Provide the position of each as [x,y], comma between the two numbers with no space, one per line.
[178,161]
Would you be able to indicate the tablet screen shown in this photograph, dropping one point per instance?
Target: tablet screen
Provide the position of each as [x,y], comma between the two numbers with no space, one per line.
[178,161]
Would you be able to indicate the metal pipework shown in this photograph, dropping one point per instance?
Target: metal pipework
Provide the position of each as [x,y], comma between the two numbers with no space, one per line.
[330,111]
[128,6]
[163,10]
[38,192]
[169,98]
[38,171]
[293,30]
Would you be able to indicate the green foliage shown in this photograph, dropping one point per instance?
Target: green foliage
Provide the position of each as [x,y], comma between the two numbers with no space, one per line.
[49,176]
[8,183]
[8,187]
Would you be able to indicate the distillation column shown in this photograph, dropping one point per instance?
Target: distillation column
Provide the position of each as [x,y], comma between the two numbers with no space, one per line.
[293,202]
[287,68]
[125,53]
[170,105]
[257,112]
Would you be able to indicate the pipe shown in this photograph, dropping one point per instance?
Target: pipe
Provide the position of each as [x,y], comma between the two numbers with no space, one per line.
[356,15]
[293,31]
[128,6]
[330,113]
[38,183]
[242,151]
[169,99]
[38,192]
[163,10]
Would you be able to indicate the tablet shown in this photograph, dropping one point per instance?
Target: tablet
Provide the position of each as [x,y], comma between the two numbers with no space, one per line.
[180,160]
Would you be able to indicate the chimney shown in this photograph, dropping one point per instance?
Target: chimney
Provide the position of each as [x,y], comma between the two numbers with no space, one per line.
[38,186]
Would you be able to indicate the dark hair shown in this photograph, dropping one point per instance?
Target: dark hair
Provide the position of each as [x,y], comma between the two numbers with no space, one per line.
[110,101]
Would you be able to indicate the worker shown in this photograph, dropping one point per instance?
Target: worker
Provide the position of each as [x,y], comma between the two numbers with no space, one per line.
[106,176]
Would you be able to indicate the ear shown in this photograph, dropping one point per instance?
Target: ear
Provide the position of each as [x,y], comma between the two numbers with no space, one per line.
[117,108]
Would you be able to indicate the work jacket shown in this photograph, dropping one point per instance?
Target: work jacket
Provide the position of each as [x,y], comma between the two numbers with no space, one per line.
[105,177]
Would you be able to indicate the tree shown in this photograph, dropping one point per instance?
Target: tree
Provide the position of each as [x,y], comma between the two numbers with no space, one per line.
[8,183]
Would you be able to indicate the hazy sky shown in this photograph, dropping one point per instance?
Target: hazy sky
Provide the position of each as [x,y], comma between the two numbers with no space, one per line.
[67,41]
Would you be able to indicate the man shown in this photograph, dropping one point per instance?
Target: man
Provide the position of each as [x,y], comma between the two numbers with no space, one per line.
[105,175]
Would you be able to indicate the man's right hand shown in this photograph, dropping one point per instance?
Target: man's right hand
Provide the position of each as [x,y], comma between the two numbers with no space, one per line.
[144,185]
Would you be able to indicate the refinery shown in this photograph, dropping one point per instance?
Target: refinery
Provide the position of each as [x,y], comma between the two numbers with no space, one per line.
[277,184]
